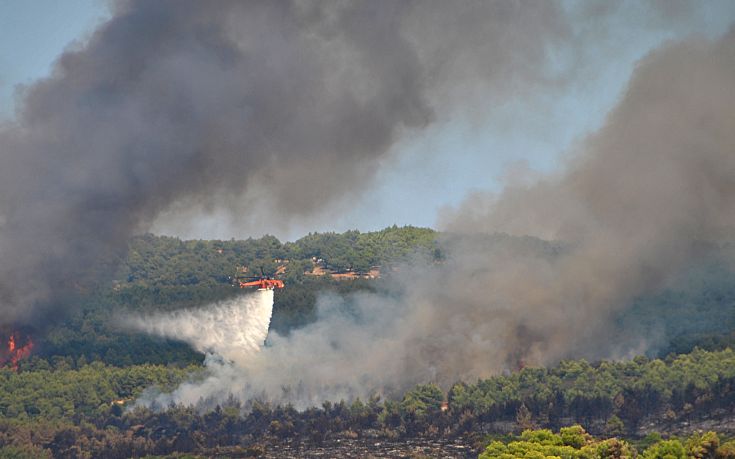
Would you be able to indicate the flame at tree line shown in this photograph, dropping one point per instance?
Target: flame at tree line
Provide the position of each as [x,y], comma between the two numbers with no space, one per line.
[18,346]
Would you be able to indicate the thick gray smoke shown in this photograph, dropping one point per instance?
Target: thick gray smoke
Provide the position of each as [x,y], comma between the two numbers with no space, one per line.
[632,207]
[190,104]
[635,203]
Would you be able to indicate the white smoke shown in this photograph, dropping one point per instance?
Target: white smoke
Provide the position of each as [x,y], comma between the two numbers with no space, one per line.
[354,349]
[234,330]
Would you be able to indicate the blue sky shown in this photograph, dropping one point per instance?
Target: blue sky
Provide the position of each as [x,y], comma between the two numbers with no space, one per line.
[427,171]
[33,33]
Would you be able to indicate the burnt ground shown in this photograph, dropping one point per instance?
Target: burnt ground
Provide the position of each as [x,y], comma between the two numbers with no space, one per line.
[345,447]
[373,445]
[374,448]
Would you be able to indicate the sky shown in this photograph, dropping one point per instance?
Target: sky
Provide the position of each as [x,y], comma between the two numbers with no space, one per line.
[33,34]
[425,173]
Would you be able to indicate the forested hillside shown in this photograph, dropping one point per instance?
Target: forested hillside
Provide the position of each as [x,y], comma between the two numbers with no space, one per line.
[84,411]
[168,273]
[74,396]
[161,261]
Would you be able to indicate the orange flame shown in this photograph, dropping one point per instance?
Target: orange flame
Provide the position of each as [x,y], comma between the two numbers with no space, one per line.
[14,352]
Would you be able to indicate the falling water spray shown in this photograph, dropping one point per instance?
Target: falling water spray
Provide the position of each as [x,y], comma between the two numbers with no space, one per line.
[233,330]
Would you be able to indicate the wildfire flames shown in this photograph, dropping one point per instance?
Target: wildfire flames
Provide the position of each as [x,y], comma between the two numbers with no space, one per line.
[18,346]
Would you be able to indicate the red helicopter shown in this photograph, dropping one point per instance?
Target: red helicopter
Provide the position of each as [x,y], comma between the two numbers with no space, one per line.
[263,282]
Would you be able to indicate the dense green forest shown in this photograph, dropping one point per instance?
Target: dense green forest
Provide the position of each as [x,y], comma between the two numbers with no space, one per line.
[167,273]
[161,272]
[606,396]
[87,411]
[574,443]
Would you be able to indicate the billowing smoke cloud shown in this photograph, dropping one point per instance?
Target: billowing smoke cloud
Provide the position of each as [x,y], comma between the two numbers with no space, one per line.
[635,204]
[185,103]
[632,207]
[188,104]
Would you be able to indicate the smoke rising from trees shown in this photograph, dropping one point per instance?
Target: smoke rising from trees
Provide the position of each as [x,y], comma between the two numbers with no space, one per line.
[633,207]
[185,105]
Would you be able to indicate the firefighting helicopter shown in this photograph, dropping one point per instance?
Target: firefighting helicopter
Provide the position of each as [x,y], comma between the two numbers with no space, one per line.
[263,282]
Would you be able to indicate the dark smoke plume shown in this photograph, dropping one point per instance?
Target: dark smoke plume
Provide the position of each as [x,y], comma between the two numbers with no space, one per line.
[192,103]
[633,207]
